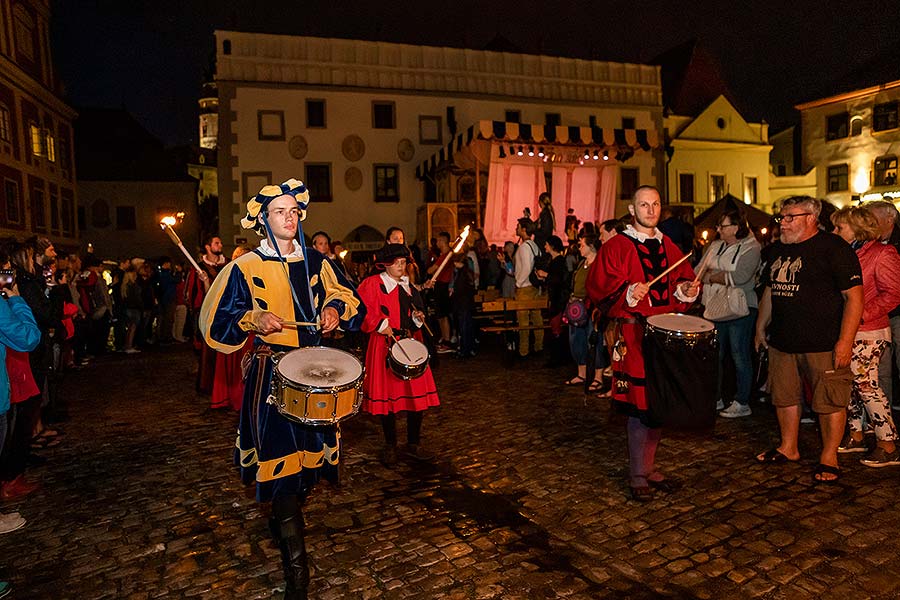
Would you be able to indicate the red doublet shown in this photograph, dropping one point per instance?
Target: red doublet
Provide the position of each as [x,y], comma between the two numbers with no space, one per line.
[383,391]
[625,260]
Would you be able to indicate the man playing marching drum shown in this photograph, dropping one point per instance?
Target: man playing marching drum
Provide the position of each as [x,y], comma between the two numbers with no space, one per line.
[626,265]
[394,311]
[260,292]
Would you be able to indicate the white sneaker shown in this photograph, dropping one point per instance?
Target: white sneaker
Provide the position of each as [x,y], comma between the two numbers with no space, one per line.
[735,409]
[11,522]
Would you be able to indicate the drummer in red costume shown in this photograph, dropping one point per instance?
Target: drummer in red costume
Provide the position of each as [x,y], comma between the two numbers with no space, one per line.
[394,309]
[625,266]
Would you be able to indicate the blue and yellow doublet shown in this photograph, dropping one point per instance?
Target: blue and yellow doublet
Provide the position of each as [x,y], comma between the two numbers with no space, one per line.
[281,456]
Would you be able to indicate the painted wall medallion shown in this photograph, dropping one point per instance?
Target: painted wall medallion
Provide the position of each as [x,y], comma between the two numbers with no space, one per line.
[406,150]
[297,147]
[353,147]
[353,178]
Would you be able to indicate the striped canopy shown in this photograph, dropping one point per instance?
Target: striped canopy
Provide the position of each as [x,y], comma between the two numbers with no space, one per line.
[624,140]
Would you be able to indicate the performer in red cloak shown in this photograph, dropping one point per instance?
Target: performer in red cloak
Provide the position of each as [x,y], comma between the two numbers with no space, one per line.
[394,309]
[625,266]
[195,288]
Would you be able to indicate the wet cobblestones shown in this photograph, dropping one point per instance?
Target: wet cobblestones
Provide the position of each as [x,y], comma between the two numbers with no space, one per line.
[527,500]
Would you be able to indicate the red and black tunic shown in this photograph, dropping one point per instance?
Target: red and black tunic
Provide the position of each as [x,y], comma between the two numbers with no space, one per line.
[626,259]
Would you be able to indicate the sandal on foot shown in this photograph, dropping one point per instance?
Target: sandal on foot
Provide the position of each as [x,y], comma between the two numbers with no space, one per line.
[577,380]
[822,469]
[773,456]
[642,493]
[596,386]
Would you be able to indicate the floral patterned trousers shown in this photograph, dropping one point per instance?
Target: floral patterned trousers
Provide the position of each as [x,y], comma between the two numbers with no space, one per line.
[867,394]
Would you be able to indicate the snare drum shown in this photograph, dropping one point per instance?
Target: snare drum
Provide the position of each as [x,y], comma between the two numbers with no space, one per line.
[408,358]
[316,385]
[678,330]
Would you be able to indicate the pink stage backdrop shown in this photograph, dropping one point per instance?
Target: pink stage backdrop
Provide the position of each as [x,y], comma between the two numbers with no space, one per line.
[591,191]
[510,189]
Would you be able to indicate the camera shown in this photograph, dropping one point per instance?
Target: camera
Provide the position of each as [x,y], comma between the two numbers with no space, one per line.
[7,278]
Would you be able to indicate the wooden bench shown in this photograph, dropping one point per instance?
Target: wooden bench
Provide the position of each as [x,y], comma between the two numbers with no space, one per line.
[500,314]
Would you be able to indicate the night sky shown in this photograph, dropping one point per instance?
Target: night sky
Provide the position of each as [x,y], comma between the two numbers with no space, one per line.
[151,57]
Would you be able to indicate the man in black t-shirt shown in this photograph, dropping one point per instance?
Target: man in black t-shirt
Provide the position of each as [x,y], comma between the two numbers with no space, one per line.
[812,306]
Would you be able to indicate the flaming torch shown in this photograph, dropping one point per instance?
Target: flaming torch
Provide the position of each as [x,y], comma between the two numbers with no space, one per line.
[166,224]
[458,244]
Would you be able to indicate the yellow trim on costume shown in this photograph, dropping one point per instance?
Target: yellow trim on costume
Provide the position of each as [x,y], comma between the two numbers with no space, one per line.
[250,321]
[335,291]
[209,306]
[269,470]
[313,280]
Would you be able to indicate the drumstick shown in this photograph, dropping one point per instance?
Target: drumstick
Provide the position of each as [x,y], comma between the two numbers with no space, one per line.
[667,271]
[299,324]
[703,265]
[401,348]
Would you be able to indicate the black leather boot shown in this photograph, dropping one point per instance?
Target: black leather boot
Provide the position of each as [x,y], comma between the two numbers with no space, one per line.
[292,544]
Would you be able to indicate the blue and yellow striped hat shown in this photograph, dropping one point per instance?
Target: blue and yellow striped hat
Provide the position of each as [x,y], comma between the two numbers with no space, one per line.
[257,203]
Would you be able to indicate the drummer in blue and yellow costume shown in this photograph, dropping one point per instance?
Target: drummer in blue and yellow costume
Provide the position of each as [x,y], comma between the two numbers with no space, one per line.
[278,281]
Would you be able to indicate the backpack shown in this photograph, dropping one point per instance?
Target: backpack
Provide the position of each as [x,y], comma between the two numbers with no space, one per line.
[541,262]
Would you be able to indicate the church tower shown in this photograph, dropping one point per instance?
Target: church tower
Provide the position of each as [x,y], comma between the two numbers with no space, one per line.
[209,117]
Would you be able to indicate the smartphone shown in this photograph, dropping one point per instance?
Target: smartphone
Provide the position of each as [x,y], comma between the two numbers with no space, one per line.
[7,278]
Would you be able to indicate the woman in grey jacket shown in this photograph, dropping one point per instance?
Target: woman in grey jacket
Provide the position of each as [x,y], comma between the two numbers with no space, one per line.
[733,261]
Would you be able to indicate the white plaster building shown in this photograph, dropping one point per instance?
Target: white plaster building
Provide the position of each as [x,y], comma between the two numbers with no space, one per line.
[715,153]
[852,140]
[354,119]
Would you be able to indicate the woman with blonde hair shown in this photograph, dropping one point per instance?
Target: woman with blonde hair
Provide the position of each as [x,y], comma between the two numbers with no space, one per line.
[880,265]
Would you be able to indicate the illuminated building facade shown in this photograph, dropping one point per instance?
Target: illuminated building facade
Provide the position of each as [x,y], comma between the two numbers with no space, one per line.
[38,192]
[852,140]
[355,120]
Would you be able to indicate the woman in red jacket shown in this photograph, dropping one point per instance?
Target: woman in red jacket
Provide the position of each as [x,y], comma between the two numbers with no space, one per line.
[394,311]
[880,265]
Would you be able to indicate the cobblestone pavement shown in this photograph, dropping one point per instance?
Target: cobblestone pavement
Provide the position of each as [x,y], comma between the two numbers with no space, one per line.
[527,500]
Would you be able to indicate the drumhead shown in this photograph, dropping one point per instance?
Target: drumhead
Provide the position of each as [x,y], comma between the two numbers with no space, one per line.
[319,367]
[680,322]
[415,349]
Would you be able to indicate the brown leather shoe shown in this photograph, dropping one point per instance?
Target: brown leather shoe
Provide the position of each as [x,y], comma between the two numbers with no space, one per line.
[418,452]
[389,456]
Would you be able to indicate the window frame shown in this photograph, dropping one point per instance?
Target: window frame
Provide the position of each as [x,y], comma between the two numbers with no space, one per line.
[383,104]
[880,180]
[269,137]
[324,124]
[310,183]
[712,196]
[5,124]
[553,119]
[829,119]
[38,208]
[36,139]
[119,220]
[894,105]
[396,179]
[633,121]
[511,111]
[693,179]
[6,202]
[755,180]
[829,175]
